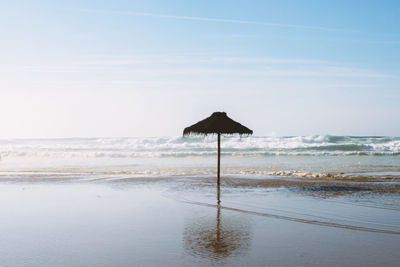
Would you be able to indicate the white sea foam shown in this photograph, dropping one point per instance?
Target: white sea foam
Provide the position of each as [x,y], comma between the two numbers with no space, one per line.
[295,156]
[198,146]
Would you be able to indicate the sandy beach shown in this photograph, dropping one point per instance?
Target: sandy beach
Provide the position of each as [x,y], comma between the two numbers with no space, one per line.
[176,222]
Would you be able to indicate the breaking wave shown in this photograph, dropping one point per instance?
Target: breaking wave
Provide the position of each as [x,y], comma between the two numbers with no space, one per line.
[159,147]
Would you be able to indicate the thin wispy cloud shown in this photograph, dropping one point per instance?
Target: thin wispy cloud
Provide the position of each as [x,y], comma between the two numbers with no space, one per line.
[218,20]
[376,40]
[185,71]
[182,66]
[192,60]
[283,25]
[313,72]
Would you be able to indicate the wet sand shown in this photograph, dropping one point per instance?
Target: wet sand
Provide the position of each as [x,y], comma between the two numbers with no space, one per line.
[164,221]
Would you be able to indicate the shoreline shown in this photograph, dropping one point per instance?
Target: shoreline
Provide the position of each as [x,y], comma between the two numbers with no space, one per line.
[328,185]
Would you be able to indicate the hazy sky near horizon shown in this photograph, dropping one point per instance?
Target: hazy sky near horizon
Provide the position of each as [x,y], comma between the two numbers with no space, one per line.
[150,68]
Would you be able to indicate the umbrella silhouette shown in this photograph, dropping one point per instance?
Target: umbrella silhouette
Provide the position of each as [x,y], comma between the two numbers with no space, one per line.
[218,123]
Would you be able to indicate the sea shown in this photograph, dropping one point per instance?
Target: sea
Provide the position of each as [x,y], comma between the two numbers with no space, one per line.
[241,156]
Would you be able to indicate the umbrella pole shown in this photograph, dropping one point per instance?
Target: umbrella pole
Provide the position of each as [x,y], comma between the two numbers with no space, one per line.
[218,168]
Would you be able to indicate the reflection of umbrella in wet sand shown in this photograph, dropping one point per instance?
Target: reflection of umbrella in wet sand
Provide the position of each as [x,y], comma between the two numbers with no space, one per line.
[218,240]
[218,123]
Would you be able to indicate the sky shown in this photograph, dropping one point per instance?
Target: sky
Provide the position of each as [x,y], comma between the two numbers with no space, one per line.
[150,68]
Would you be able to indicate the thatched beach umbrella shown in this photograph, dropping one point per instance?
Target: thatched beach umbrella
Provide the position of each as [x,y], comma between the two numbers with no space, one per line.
[218,123]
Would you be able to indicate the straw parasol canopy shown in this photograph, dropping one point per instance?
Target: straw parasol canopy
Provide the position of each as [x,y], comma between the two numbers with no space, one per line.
[218,123]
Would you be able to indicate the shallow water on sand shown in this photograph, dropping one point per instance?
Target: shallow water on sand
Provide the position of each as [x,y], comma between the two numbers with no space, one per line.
[173,223]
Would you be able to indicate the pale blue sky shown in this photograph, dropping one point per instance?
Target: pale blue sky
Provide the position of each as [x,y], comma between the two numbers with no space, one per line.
[151,68]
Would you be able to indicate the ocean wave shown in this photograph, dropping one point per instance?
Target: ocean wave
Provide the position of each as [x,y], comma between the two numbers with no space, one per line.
[159,147]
